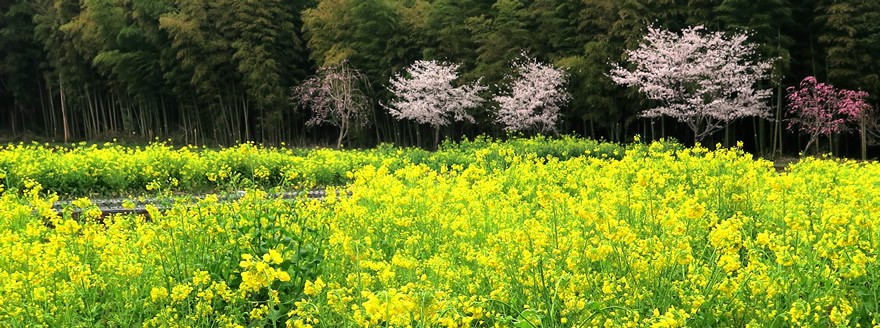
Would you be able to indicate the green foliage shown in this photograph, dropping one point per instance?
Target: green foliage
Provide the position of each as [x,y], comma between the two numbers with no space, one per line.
[768,23]
[500,36]
[366,33]
[20,53]
[447,36]
[850,35]
[220,72]
[594,96]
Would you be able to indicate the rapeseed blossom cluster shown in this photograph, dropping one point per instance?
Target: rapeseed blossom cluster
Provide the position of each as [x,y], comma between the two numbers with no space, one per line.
[112,169]
[663,236]
[178,267]
[259,274]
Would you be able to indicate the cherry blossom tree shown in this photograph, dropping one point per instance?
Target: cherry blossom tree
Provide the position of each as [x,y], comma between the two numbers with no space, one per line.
[820,109]
[703,79]
[532,102]
[427,93]
[337,95]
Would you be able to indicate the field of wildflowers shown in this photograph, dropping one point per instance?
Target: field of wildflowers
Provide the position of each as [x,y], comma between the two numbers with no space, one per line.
[478,234]
[112,169]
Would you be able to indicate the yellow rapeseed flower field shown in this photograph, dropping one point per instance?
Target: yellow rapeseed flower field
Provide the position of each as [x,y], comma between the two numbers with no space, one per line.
[490,234]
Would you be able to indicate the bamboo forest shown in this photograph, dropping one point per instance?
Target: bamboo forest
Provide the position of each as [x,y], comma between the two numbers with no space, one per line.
[227,71]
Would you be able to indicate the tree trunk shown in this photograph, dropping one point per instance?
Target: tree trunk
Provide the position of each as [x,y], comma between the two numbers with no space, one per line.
[343,127]
[777,127]
[727,135]
[245,114]
[376,123]
[104,115]
[662,127]
[92,110]
[863,138]
[418,135]
[830,144]
[436,137]
[813,139]
[762,136]
[12,117]
[63,110]
[612,131]
[43,106]
[51,97]
[165,131]
[698,138]
[111,113]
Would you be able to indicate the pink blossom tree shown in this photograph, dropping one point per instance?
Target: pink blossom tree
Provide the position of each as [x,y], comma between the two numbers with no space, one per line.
[820,109]
[703,79]
[536,92]
[336,95]
[427,93]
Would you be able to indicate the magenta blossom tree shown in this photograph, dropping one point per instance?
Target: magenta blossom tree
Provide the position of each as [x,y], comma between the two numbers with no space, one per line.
[336,95]
[427,93]
[703,79]
[533,99]
[820,109]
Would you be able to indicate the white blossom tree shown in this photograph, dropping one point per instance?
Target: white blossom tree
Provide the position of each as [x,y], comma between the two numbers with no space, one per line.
[703,79]
[336,95]
[427,93]
[536,92]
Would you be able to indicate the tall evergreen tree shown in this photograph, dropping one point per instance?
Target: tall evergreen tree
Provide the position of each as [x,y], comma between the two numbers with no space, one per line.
[556,27]
[767,23]
[69,69]
[20,59]
[501,35]
[447,36]
[362,32]
[267,52]
[850,34]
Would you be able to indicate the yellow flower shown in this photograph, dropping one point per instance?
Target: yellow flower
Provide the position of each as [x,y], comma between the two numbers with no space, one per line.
[273,256]
[839,314]
[763,238]
[672,318]
[259,312]
[68,226]
[201,277]
[282,276]
[180,292]
[247,261]
[314,288]
[729,262]
[158,293]
[40,294]
[799,311]
[252,282]
[82,202]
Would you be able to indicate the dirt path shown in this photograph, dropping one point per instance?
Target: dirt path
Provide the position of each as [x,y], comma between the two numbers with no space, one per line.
[110,206]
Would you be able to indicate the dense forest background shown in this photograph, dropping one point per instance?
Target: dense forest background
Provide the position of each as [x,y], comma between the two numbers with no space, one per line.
[218,72]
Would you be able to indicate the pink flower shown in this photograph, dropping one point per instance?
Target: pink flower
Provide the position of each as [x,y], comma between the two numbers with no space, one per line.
[427,94]
[704,79]
[820,109]
[533,101]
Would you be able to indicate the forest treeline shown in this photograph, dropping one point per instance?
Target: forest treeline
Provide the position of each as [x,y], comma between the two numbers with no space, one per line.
[222,71]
